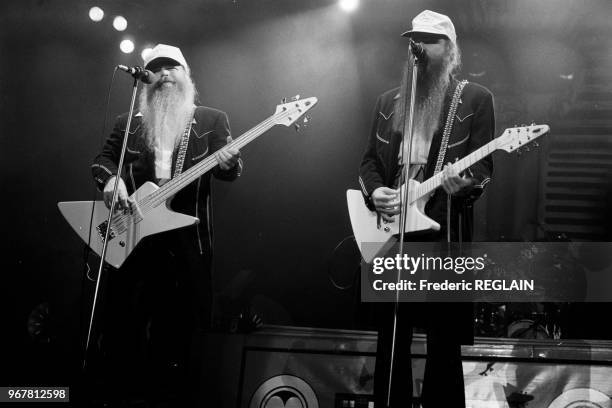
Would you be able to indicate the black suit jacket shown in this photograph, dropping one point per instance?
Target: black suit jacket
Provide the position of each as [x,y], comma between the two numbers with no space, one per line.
[474,126]
[208,133]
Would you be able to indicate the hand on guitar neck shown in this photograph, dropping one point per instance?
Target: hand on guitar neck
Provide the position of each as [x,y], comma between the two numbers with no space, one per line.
[228,157]
[452,182]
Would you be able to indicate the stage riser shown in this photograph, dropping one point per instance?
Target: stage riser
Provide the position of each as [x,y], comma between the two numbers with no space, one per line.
[310,368]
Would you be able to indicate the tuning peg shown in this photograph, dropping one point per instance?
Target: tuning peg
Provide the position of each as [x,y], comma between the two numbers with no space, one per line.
[284,100]
[518,152]
[306,121]
[527,149]
[532,124]
[297,127]
[536,144]
[295,98]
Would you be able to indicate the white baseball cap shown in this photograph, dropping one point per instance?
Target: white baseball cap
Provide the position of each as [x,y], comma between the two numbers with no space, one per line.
[432,23]
[165,52]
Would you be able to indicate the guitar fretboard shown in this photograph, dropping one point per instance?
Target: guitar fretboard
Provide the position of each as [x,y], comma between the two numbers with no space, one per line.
[429,185]
[177,184]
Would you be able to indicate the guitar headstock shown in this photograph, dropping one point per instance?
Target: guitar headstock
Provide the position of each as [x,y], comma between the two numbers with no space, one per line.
[517,137]
[289,112]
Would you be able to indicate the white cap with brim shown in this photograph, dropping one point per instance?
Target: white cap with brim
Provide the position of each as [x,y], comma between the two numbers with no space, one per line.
[431,22]
[163,51]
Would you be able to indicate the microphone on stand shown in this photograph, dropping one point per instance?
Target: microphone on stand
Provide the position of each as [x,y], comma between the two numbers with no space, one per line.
[417,49]
[146,76]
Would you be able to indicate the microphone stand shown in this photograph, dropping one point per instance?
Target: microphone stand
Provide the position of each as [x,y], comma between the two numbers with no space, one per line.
[404,203]
[136,76]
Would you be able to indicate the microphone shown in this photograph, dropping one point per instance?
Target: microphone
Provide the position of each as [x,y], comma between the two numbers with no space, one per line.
[417,50]
[146,76]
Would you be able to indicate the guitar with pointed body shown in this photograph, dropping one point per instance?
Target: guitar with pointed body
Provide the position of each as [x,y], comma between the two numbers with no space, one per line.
[373,236]
[150,209]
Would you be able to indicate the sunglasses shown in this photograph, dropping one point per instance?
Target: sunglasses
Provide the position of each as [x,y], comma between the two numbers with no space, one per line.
[427,39]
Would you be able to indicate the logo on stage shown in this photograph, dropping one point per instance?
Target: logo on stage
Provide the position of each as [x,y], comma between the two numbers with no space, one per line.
[582,398]
[284,391]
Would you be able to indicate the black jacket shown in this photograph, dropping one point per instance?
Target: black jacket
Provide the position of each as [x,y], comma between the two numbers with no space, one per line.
[474,126]
[208,133]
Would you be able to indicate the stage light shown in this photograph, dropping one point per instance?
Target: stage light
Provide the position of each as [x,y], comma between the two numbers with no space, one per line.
[145,51]
[349,5]
[120,23]
[127,46]
[96,14]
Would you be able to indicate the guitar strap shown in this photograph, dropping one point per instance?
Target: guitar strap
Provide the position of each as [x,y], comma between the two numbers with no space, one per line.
[448,126]
[182,149]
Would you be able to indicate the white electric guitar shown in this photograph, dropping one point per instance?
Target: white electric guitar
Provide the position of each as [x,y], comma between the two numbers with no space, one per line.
[151,213]
[373,235]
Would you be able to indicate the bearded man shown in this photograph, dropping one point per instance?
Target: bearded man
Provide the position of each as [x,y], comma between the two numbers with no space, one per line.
[162,294]
[473,125]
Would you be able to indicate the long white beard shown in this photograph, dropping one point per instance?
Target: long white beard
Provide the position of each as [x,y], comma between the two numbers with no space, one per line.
[429,103]
[166,111]
[432,84]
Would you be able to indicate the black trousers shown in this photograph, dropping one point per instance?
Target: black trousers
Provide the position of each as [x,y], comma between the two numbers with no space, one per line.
[443,380]
[156,304]
[448,325]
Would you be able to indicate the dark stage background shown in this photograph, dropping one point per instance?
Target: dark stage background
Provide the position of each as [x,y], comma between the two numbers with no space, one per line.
[277,226]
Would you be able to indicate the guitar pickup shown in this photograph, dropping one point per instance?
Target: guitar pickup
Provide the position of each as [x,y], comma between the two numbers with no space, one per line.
[102,231]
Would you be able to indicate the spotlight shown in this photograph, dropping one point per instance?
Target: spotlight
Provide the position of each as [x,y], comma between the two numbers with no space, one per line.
[145,51]
[349,5]
[96,14]
[120,23]
[127,46]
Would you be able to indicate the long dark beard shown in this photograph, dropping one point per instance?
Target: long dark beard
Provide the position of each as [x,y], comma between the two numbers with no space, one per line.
[432,83]
[165,112]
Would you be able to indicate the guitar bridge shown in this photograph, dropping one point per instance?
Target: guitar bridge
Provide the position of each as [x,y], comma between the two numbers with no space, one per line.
[102,231]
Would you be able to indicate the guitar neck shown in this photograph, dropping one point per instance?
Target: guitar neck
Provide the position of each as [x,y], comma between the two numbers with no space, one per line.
[177,184]
[429,185]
